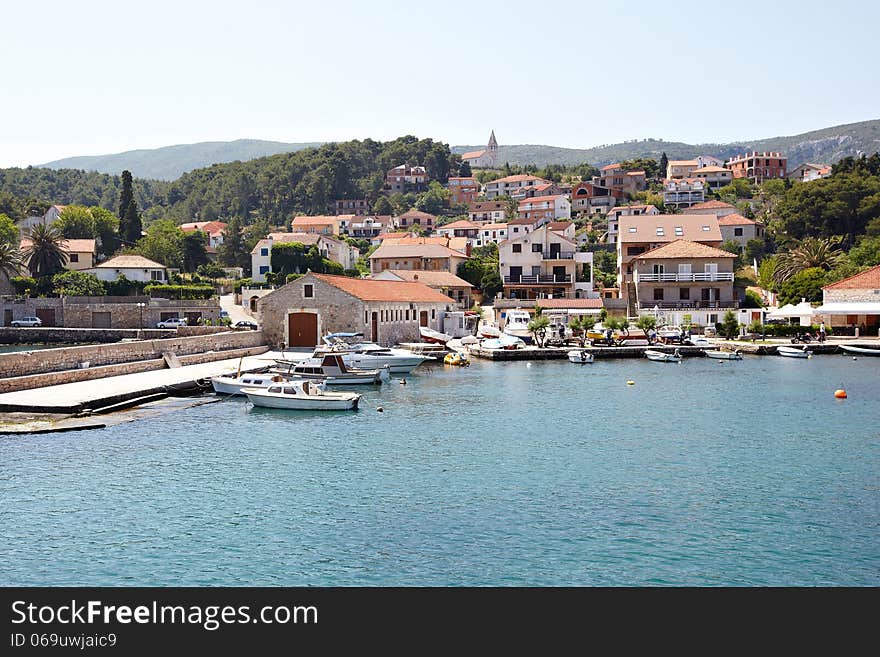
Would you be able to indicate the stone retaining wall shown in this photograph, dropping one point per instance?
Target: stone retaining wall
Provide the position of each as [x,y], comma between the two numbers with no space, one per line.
[52,335]
[72,376]
[25,363]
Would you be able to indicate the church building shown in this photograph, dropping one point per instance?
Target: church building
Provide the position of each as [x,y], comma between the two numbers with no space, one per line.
[485,159]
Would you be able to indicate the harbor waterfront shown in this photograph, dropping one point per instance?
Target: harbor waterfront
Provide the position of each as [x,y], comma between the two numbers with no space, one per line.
[703,472]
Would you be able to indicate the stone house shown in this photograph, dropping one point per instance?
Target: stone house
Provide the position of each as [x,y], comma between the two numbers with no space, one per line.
[853,303]
[427,256]
[737,228]
[131,312]
[386,312]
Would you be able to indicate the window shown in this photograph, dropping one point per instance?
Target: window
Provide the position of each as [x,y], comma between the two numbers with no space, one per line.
[659,231]
[738,232]
[264,269]
[407,315]
[536,248]
[632,229]
[366,318]
[264,252]
[706,229]
[156,275]
[658,294]
[517,248]
[684,293]
[433,313]
[309,291]
[679,232]
[634,250]
[73,257]
[516,229]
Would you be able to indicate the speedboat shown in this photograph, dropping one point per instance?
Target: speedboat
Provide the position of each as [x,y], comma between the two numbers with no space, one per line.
[724,355]
[232,384]
[862,351]
[517,325]
[794,352]
[662,356]
[302,396]
[365,355]
[503,341]
[331,369]
[430,335]
[580,356]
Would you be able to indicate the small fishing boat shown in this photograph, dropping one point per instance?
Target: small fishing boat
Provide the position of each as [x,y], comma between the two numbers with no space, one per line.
[503,341]
[487,331]
[580,356]
[662,356]
[457,359]
[724,355]
[862,351]
[517,325]
[302,396]
[794,352]
[332,370]
[430,335]
[232,384]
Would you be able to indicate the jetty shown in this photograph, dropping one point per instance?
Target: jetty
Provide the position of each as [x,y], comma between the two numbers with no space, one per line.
[561,353]
[114,393]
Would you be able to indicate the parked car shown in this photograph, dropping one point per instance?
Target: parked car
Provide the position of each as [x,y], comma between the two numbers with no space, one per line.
[246,325]
[174,322]
[28,321]
[224,314]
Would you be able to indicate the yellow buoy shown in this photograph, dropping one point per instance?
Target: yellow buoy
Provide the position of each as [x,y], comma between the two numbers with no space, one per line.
[840,394]
[630,383]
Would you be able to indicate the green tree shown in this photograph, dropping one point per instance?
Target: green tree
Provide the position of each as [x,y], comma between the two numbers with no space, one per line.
[77,284]
[10,259]
[664,164]
[126,194]
[464,170]
[579,325]
[538,328]
[729,325]
[472,271]
[46,254]
[233,252]
[767,274]
[491,284]
[383,206]
[646,322]
[806,284]
[163,243]
[8,230]
[130,225]
[434,200]
[810,253]
[867,253]
[194,246]
[106,229]
[755,250]
[211,270]
[734,247]
[77,222]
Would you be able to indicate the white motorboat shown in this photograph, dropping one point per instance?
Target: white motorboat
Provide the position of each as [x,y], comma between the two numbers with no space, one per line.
[699,341]
[430,335]
[517,325]
[232,384]
[331,369]
[580,356]
[364,355]
[302,396]
[503,341]
[487,331]
[662,356]
[861,351]
[724,355]
[794,352]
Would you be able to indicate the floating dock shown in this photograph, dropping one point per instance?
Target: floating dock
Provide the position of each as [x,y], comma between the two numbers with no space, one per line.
[112,393]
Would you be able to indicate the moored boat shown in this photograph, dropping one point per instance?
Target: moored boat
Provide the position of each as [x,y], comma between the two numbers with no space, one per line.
[580,356]
[332,370]
[862,351]
[503,341]
[724,355]
[662,356]
[517,325]
[232,384]
[302,396]
[430,335]
[487,331]
[794,352]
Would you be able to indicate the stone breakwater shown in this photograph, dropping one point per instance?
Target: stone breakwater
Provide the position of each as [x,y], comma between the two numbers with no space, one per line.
[25,370]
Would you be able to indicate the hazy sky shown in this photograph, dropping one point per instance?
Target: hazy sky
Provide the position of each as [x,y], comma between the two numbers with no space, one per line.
[88,77]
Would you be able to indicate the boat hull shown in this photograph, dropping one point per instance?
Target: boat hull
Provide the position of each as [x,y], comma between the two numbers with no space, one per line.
[225,385]
[661,357]
[724,355]
[580,357]
[791,352]
[861,351]
[304,403]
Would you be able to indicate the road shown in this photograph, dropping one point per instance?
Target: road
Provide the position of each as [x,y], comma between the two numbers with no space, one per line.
[236,312]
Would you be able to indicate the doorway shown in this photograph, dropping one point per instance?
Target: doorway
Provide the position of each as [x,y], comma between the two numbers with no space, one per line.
[302,329]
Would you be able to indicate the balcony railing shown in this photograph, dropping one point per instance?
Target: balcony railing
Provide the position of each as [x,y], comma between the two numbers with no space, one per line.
[693,277]
[648,304]
[538,279]
[558,255]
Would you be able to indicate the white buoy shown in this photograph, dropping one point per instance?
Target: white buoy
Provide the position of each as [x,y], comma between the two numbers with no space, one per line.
[528,364]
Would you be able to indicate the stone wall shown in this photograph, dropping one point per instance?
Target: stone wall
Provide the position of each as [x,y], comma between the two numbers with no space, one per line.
[851,295]
[71,376]
[70,358]
[44,335]
[109,312]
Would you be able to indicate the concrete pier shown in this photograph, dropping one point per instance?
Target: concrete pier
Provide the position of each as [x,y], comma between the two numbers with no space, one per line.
[70,398]
[561,353]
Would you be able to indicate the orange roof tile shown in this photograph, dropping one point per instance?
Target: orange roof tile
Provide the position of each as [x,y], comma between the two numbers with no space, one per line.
[470,155]
[70,246]
[711,205]
[867,280]
[463,223]
[684,249]
[541,199]
[367,289]
[429,278]
[521,177]
[735,219]
[210,227]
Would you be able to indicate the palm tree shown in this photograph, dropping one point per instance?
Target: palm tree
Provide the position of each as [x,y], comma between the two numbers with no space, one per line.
[538,328]
[46,254]
[10,259]
[579,325]
[811,252]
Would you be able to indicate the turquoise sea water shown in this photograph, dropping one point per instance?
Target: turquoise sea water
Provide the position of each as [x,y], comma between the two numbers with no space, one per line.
[743,473]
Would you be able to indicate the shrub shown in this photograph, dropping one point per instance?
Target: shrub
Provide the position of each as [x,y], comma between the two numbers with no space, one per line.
[292,277]
[24,284]
[180,291]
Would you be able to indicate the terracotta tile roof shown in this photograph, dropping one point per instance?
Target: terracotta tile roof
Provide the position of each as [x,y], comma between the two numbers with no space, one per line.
[609,167]
[735,219]
[210,227]
[711,205]
[713,169]
[429,278]
[460,224]
[684,249]
[367,289]
[635,173]
[317,220]
[388,236]
[522,222]
[387,250]
[521,177]
[541,199]
[70,246]
[621,208]
[417,214]
[286,238]
[683,163]
[407,238]
[574,304]
[559,225]
[130,262]
[867,280]
[493,227]
[473,154]
[694,227]
[485,206]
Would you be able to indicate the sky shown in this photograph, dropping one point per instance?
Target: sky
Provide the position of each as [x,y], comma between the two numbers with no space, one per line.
[93,77]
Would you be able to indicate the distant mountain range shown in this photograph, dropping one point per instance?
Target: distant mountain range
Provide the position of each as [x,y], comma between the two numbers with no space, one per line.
[169,163]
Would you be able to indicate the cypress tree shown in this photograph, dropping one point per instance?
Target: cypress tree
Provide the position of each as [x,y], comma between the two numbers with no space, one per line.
[664,163]
[126,195]
[131,225]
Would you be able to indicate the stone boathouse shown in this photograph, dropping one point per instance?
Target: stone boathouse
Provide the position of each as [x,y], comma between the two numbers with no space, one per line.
[386,312]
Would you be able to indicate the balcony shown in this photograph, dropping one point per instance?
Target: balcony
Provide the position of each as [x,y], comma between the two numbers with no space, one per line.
[692,277]
[647,304]
[558,255]
[539,279]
